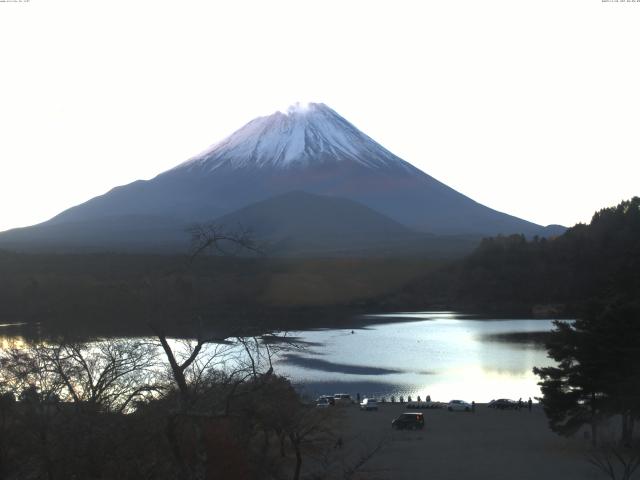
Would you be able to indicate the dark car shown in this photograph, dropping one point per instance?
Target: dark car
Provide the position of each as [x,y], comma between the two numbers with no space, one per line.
[503,404]
[409,421]
[328,399]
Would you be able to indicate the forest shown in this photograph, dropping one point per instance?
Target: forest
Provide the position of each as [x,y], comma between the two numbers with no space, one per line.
[595,262]
[108,293]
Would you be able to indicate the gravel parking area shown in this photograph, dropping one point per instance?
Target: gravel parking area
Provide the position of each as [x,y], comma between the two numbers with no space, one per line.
[487,444]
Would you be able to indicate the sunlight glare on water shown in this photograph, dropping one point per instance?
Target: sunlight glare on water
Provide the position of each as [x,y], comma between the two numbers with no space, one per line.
[441,354]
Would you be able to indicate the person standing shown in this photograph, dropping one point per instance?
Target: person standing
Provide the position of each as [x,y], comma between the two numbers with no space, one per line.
[529,403]
[473,406]
[520,403]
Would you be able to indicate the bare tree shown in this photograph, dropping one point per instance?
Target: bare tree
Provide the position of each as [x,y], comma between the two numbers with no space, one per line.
[110,375]
[215,379]
[25,369]
[218,239]
[618,463]
[309,430]
[72,396]
[211,376]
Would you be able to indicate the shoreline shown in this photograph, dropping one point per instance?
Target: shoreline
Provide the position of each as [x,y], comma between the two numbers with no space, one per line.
[288,320]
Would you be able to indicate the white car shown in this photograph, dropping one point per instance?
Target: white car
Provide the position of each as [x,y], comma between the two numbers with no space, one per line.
[459,406]
[368,404]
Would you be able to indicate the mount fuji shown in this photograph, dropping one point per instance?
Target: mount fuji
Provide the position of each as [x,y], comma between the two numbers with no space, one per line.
[310,149]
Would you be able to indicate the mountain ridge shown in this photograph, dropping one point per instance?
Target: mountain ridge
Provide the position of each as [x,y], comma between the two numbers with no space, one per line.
[310,149]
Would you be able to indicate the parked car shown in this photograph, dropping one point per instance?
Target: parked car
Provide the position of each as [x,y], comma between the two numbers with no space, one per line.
[503,404]
[330,399]
[408,421]
[369,404]
[342,399]
[459,406]
[322,402]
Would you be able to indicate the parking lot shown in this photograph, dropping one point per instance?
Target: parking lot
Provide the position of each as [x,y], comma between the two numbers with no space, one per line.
[487,444]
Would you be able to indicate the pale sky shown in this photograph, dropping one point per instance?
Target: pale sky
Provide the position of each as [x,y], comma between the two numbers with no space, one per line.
[529,107]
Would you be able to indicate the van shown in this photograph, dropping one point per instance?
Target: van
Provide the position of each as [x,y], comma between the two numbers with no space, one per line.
[342,399]
[410,421]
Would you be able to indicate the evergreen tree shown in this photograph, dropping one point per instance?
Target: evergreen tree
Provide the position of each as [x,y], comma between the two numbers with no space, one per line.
[598,372]
[572,391]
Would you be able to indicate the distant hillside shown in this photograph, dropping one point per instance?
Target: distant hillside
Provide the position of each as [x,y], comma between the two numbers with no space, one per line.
[292,224]
[121,293]
[124,233]
[303,222]
[587,263]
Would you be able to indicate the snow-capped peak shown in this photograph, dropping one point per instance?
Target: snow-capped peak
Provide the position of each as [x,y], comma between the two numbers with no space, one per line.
[299,107]
[308,133]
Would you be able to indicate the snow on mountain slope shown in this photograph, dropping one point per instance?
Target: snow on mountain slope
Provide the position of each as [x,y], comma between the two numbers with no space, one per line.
[296,138]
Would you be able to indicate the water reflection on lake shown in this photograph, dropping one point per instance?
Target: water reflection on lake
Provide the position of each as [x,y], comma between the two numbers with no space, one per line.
[442,354]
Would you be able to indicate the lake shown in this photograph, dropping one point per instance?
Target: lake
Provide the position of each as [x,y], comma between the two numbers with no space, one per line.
[445,355]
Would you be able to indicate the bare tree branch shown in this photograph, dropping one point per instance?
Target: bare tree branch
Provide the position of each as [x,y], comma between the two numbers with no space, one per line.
[211,236]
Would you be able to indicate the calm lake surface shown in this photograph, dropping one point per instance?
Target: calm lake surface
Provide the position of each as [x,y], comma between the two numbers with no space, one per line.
[446,355]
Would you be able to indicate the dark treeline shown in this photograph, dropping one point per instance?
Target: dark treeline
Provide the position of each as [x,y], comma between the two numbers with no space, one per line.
[505,273]
[600,260]
[595,381]
[118,291]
